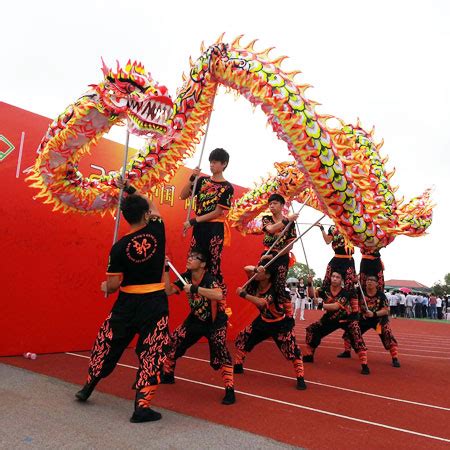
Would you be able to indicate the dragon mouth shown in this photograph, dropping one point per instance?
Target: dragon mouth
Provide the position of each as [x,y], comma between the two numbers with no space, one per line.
[151,115]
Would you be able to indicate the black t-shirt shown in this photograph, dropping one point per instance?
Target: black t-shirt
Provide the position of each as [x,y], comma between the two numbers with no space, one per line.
[377,302]
[201,306]
[139,256]
[270,238]
[274,310]
[343,298]
[338,243]
[211,193]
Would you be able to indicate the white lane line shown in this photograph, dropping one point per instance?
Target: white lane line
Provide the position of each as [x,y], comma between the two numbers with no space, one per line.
[295,405]
[427,405]
[386,352]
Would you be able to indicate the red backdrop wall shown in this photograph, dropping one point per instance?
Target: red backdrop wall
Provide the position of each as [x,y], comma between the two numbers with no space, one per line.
[52,264]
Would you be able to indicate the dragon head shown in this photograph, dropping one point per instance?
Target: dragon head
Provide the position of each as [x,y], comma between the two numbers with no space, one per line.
[133,93]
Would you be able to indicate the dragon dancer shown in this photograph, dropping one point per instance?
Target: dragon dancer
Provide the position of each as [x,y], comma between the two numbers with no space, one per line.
[135,269]
[272,226]
[342,260]
[376,317]
[272,322]
[341,311]
[212,198]
[206,319]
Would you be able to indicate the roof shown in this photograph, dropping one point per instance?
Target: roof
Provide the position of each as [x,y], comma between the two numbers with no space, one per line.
[412,284]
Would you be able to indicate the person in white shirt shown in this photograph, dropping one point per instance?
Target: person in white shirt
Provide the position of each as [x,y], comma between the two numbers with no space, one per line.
[439,308]
[392,303]
[409,302]
[401,304]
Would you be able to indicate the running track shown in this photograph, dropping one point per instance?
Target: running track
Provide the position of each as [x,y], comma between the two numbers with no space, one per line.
[403,408]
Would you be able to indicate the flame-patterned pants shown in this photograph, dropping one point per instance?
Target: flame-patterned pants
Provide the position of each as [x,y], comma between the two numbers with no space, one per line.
[209,236]
[279,270]
[384,330]
[318,330]
[281,332]
[346,267]
[190,331]
[145,315]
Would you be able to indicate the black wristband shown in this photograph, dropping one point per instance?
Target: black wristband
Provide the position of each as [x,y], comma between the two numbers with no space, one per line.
[193,289]
[375,315]
[129,189]
[192,221]
[192,178]
[166,268]
[321,227]
[285,221]
[255,269]
[243,294]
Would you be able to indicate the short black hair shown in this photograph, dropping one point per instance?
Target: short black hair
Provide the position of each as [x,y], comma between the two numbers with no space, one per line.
[200,252]
[133,208]
[339,272]
[277,198]
[219,154]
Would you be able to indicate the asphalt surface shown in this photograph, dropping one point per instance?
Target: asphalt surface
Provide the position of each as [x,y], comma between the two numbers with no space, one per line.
[37,411]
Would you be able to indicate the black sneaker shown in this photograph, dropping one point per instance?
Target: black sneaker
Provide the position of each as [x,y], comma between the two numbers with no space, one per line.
[395,362]
[229,398]
[345,354]
[238,368]
[301,385]
[365,369]
[167,378]
[83,394]
[308,358]
[145,415]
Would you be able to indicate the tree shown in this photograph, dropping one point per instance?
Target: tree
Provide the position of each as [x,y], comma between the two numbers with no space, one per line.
[441,289]
[300,270]
[447,279]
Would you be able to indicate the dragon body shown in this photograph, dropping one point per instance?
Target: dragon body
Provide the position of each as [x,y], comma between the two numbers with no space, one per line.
[340,168]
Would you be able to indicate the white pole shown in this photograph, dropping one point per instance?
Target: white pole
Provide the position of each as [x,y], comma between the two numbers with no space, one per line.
[175,271]
[19,158]
[188,216]
[124,168]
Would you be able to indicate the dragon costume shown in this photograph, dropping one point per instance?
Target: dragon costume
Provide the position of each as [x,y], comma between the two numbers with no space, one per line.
[341,168]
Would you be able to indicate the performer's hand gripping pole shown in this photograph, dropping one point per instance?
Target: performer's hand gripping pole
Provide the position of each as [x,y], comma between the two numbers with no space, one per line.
[175,271]
[283,232]
[282,250]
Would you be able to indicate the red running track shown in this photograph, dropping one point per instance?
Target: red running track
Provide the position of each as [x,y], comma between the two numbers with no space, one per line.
[403,408]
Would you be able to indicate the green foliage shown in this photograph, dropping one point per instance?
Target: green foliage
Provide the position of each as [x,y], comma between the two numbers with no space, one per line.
[299,270]
[441,289]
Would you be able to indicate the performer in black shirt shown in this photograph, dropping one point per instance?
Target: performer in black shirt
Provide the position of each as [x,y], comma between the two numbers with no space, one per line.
[341,311]
[206,319]
[135,268]
[272,321]
[272,226]
[342,261]
[212,198]
[377,318]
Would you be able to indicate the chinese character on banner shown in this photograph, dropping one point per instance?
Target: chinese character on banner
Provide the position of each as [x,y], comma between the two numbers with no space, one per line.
[165,194]
[188,201]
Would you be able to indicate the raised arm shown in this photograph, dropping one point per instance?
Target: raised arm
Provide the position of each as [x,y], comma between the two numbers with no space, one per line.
[187,188]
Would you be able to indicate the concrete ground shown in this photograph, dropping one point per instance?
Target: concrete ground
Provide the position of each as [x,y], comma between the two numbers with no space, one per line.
[40,412]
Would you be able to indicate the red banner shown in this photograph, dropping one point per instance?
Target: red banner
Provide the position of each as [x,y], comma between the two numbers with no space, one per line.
[52,264]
